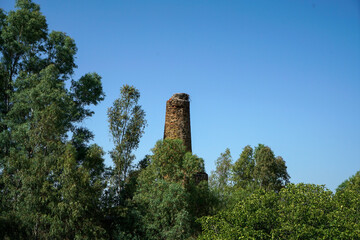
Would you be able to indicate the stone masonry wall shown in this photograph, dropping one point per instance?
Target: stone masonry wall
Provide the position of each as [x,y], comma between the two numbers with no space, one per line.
[177,119]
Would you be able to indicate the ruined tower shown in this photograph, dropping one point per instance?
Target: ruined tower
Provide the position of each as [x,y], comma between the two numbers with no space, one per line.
[177,125]
[177,119]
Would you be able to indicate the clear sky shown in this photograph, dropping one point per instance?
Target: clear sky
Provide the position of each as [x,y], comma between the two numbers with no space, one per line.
[282,73]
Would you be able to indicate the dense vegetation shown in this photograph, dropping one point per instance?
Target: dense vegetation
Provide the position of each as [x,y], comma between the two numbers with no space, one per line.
[54,185]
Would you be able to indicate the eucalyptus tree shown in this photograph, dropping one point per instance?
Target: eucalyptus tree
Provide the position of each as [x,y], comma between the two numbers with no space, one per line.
[221,177]
[168,198]
[220,181]
[243,168]
[270,172]
[260,168]
[50,177]
[127,123]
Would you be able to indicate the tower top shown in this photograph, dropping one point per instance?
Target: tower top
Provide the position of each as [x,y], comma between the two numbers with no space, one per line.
[181,96]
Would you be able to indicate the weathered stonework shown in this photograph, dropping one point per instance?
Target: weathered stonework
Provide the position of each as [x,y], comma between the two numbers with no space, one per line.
[200,176]
[177,125]
[177,119]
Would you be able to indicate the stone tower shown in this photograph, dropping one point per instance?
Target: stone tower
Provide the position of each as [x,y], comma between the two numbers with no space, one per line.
[177,119]
[177,125]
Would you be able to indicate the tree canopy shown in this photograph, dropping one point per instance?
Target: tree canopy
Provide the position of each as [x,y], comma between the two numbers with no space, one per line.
[50,176]
[127,123]
[301,211]
[167,191]
[54,184]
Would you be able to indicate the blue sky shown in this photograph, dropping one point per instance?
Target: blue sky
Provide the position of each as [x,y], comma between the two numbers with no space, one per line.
[282,73]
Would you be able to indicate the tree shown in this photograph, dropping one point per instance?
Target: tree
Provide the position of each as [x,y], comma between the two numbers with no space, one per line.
[220,179]
[243,169]
[346,218]
[50,185]
[231,183]
[304,213]
[250,218]
[124,221]
[353,183]
[166,190]
[127,124]
[301,211]
[270,171]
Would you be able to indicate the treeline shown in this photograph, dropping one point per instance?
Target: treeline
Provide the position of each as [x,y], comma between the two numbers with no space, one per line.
[54,184]
[256,201]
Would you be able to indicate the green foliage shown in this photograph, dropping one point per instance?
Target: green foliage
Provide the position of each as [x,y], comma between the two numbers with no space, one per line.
[53,184]
[50,185]
[270,171]
[220,178]
[351,184]
[166,192]
[88,89]
[127,123]
[123,218]
[302,211]
[259,168]
[167,216]
[171,161]
[231,183]
[250,218]
[243,168]
[346,218]
[61,50]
